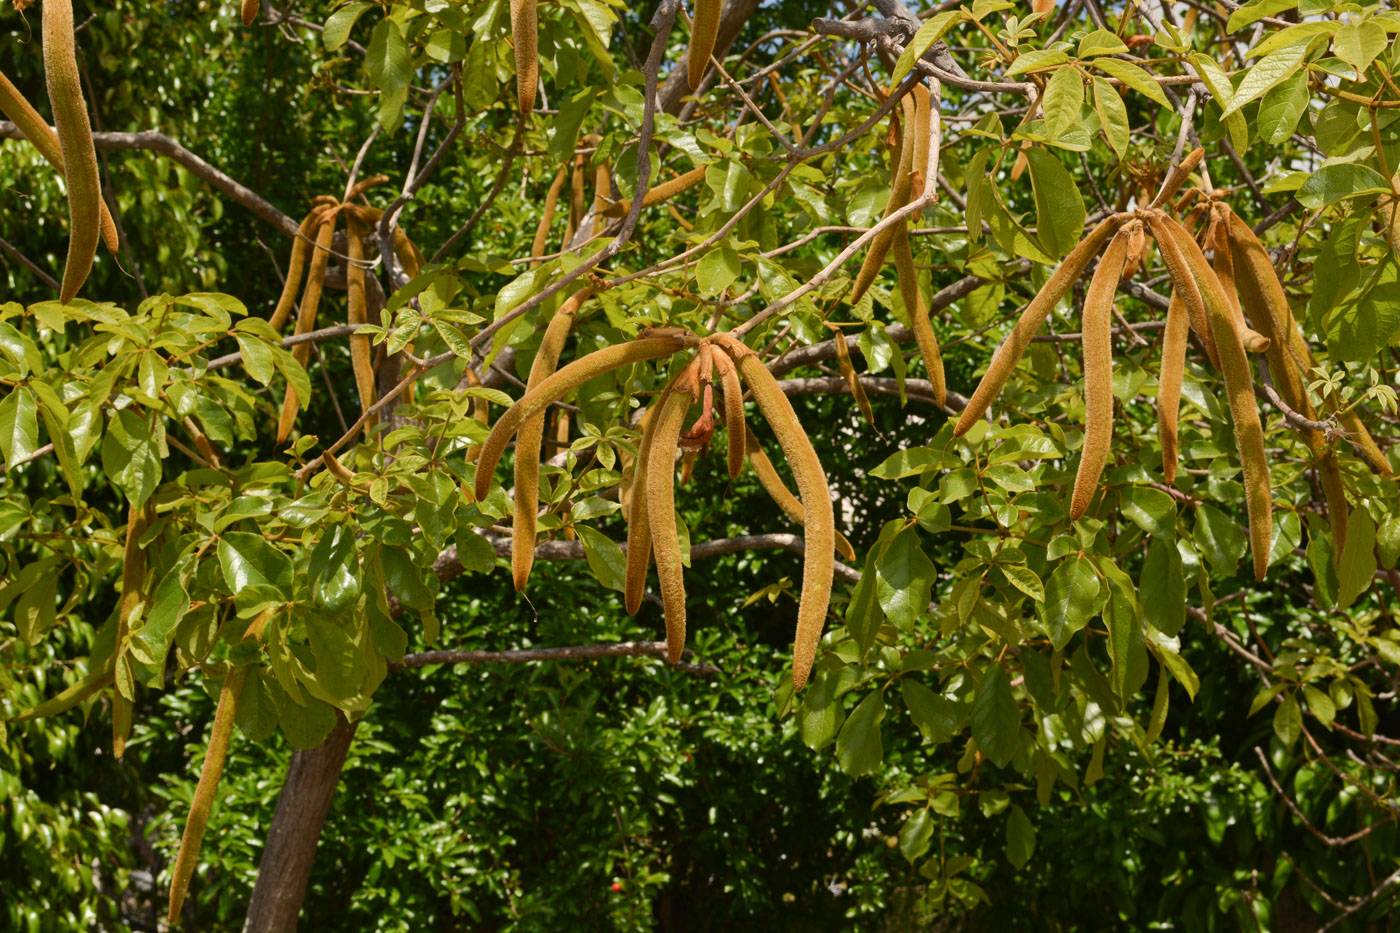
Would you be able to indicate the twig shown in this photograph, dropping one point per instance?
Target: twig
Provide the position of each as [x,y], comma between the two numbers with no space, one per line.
[619,649]
[1331,842]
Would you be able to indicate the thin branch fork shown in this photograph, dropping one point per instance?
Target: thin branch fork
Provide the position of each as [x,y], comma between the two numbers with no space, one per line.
[1332,842]
[620,649]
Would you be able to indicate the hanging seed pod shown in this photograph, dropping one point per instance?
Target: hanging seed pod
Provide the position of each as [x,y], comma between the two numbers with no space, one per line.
[1173,253]
[1032,319]
[37,130]
[295,266]
[524,28]
[919,322]
[1169,386]
[661,506]
[638,520]
[1178,177]
[249,12]
[661,193]
[1098,371]
[306,316]
[409,255]
[361,354]
[777,490]
[362,186]
[530,439]
[562,383]
[576,197]
[75,143]
[820,524]
[602,188]
[734,427]
[551,201]
[902,159]
[704,28]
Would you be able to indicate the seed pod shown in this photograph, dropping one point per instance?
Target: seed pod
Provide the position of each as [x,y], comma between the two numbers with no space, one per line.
[409,255]
[919,321]
[576,197]
[361,354]
[661,508]
[524,28]
[206,790]
[602,189]
[848,372]
[782,496]
[306,316]
[1224,268]
[819,527]
[918,164]
[734,426]
[1178,177]
[661,193]
[1239,385]
[92,682]
[362,186]
[37,130]
[249,11]
[1170,244]
[551,200]
[75,142]
[638,520]
[531,438]
[899,196]
[295,266]
[1169,385]
[560,384]
[1098,371]
[704,28]
[1031,320]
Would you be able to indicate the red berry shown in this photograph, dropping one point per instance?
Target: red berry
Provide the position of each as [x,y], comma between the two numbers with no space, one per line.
[616,886]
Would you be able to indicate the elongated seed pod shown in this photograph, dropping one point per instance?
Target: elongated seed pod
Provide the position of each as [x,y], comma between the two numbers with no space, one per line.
[638,522]
[661,193]
[819,526]
[602,188]
[899,196]
[524,29]
[1098,372]
[777,490]
[249,12]
[361,353]
[1170,244]
[1032,319]
[703,30]
[576,198]
[1178,177]
[919,321]
[661,508]
[531,438]
[551,201]
[848,372]
[918,164]
[734,427]
[75,142]
[301,245]
[1169,385]
[1223,269]
[1239,387]
[306,316]
[37,130]
[560,384]
[206,791]
[409,255]
[92,682]
[362,186]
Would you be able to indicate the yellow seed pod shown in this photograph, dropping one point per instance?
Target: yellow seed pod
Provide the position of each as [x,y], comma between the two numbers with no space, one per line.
[661,193]
[560,384]
[551,201]
[249,12]
[37,130]
[1169,386]
[1032,319]
[660,480]
[524,28]
[75,143]
[1178,177]
[777,490]
[919,321]
[638,520]
[1184,283]
[734,427]
[602,188]
[899,196]
[306,316]
[361,353]
[918,165]
[295,266]
[704,28]
[1098,371]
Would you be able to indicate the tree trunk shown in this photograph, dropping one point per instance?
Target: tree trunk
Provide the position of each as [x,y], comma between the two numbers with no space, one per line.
[296,829]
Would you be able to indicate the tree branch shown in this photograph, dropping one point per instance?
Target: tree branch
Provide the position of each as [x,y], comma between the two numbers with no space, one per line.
[620,649]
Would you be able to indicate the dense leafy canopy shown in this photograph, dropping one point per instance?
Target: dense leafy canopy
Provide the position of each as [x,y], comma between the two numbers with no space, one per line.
[1015,719]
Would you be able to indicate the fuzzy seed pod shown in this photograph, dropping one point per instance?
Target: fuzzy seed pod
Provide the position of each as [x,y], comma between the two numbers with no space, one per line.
[551,200]
[560,384]
[576,197]
[660,490]
[524,28]
[661,193]
[918,165]
[37,130]
[206,790]
[602,188]
[1178,177]
[531,438]
[75,143]
[1239,385]
[306,316]
[734,427]
[818,563]
[638,521]
[1170,244]
[1217,235]
[782,497]
[704,28]
[249,12]
[361,354]
[899,196]
[1032,319]
[362,186]
[409,255]
[919,321]
[848,372]
[1169,385]
[1098,372]
[295,266]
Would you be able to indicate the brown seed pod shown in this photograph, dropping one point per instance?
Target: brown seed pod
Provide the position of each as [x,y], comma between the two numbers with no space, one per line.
[530,439]
[1169,385]
[919,321]
[1239,384]
[899,196]
[1098,371]
[361,354]
[638,521]
[249,12]
[524,28]
[75,142]
[1178,177]
[661,507]
[37,130]
[1218,237]
[206,790]
[918,165]
[1032,319]
[295,266]
[306,316]
[551,201]
[819,527]
[1137,243]
[362,186]
[848,372]
[661,193]
[409,255]
[576,197]
[734,426]
[1184,281]
[704,28]
[562,383]
[782,496]
[602,189]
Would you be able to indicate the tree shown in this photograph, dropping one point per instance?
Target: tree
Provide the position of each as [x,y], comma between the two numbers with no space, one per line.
[623,218]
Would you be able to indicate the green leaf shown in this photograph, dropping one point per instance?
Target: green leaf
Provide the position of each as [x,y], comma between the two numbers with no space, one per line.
[821,715]
[1036,60]
[1101,42]
[863,613]
[1059,207]
[168,607]
[1020,837]
[387,58]
[307,726]
[1282,108]
[1333,183]
[1269,71]
[859,748]
[1358,329]
[1288,720]
[19,426]
[1113,116]
[1024,579]
[405,579]
[996,719]
[130,456]
[1251,13]
[605,557]
[1357,567]
[335,580]
[340,667]
[915,835]
[249,560]
[1150,509]
[1358,44]
[35,610]
[906,578]
[1063,100]
[929,33]
[1292,35]
[1069,599]
[1134,77]
[1220,540]
[259,707]
[1162,588]
[716,271]
[936,716]
[564,126]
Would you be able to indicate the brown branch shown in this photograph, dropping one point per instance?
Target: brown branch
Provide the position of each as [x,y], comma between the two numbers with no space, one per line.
[311,336]
[1380,888]
[29,264]
[620,649]
[1331,842]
